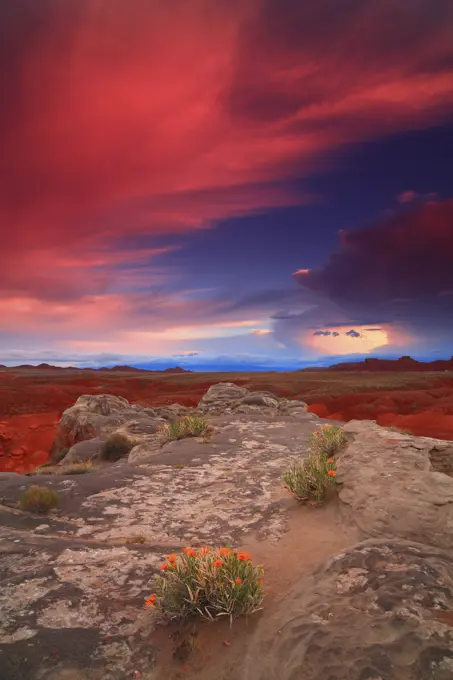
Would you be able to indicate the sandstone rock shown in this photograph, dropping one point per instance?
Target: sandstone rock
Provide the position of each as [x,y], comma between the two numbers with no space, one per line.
[380,611]
[220,397]
[292,406]
[83,451]
[97,416]
[265,399]
[390,488]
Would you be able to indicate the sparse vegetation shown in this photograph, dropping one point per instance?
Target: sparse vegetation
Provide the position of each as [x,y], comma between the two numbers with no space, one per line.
[59,470]
[309,480]
[78,468]
[190,426]
[116,446]
[39,499]
[327,441]
[208,583]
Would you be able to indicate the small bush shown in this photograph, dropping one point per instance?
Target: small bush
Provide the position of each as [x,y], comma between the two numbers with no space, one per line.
[208,583]
[78,468]
[116,446]
[327,441]
[309,480]
[189,426]
[70,469]
[39,499]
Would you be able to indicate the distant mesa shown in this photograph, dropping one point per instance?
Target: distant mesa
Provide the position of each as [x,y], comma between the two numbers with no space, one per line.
[405,363]
[129,369]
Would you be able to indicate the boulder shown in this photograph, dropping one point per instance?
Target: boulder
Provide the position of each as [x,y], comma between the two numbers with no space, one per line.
[97,416]
[391,486]
[84,451]
[380,611]
[220,397]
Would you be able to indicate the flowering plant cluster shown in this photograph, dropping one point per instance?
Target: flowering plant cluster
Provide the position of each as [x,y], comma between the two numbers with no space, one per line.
[310,479]
[328,440]
[208,582]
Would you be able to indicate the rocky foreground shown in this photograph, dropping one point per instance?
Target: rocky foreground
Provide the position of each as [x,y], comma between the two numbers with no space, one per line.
[74,582]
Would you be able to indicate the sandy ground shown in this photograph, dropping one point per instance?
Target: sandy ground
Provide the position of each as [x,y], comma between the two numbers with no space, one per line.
[216,651]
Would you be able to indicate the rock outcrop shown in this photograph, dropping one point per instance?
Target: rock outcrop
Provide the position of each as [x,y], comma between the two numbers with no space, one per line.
[383,610]
[97,416]
[73,583]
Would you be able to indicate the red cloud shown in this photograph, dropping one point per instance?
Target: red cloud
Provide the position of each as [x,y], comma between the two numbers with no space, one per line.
[151,117]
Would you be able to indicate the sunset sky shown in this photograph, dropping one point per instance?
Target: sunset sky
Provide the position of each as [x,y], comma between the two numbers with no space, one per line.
[225,183]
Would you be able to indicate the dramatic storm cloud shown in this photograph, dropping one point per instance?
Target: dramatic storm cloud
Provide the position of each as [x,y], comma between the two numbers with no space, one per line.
[398,273]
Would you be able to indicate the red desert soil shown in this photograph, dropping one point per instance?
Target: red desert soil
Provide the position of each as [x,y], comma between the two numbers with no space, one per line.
[32,399]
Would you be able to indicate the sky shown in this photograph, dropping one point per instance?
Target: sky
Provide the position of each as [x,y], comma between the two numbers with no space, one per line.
[238,184]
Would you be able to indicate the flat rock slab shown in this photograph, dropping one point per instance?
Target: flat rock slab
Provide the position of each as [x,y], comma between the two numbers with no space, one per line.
[73,608]
[212,492]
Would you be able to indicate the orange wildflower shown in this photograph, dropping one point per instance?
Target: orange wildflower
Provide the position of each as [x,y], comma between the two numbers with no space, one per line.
[151,601]
[164,566]
[171,558]
[204,551]
[190,552]
[238,581]
[260,581]
[225,551]
[331,460]
[218,563]
[332,473]
[244,556]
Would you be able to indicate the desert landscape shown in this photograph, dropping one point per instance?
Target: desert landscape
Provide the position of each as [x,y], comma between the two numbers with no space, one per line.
[345,583]
[226,340]
[396,393]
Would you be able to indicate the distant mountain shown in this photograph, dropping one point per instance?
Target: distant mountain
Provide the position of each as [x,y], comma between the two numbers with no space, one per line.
[402,364]
[133,369]
[114,369]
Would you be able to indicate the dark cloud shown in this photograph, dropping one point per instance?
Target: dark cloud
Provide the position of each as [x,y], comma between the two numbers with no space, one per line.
[335,334]
[323,333]
[353,334]
[395,272]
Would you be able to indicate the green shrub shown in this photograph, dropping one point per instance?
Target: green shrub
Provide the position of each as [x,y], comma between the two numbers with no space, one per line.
[116,446]
[208,583]
[309,480]
[190,426]
[39,499]
[327,441]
